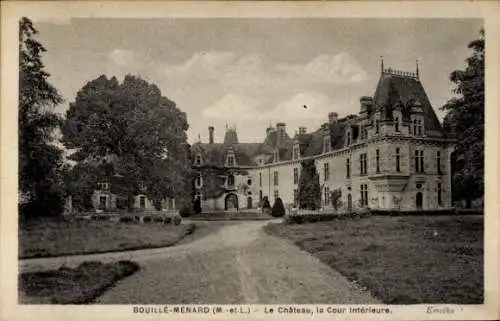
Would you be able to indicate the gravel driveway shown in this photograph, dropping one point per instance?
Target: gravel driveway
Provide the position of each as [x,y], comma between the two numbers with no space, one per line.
[239,263]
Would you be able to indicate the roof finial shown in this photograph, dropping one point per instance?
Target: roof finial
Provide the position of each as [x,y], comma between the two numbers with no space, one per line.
[417,70]
[199,138]
[226,126]
[381,64]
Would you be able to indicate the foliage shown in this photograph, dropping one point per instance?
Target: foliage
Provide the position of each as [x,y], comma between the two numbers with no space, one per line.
[309,187]
[39,159]
[131,126]
[335,197]
[278,208]
[465,121]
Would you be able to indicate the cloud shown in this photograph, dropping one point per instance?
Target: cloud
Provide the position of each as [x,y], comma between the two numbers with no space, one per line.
[123,57]
[202,64]
[341,68]
[233,107]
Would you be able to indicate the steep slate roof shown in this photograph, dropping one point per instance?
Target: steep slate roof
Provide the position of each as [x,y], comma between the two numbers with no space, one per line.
[392,89]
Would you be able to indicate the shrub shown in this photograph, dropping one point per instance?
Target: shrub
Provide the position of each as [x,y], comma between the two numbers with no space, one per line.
[186,210]
[336,196]
[265,203]
[177,220]
[278,208]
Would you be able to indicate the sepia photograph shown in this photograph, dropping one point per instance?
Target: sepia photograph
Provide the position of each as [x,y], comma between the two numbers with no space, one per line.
[176,163]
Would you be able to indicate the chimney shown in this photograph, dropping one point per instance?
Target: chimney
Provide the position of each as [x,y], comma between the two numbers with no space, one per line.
[332,117]
[211,134]
[366,104]
[302,130]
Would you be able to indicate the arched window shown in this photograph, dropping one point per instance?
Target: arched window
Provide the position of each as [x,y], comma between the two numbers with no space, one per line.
[230,180]
[198,183]
[296,151]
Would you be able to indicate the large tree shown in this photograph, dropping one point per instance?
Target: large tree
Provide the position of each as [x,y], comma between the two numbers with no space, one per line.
[465,121]
[39,159]
[131,126]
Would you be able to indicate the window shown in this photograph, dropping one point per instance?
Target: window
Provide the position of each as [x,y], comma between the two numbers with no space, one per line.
[142,202]
[295,175]
[419,161]
[396,124]
[198,181]
[348,138]
[260,179]
[366,132]
[230,159]
[348,168]
[327,194]
[364,194]
[102,186]
[361,131]
[415,127]
[295,197]
[102,201]
[439,194]
[275,156]
[249,182]
[326,171]
[398,160]
[377,126]
[438,162]
[378,160]
[197,160]
[419,127]
[276,194]
[296,150]
[326,144]
[275,178]
[230,180]
[260,196]
[363,166]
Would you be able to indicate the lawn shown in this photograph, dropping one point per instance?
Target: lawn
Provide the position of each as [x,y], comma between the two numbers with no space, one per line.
[46,238]
[400,260]
[72,286]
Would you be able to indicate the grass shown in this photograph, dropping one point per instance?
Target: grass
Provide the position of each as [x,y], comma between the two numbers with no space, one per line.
[81,285]
[50,237]
[236,216]
[400,260]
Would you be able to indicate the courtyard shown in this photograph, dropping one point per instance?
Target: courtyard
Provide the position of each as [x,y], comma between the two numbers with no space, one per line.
[398,260]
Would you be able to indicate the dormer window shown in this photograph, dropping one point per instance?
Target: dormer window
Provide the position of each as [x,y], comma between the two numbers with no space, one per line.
[377,126]
[102,186]
[296,151]
[349,137]
[230,160]
[396,124]
[276,156]
[198,160]
[326,144]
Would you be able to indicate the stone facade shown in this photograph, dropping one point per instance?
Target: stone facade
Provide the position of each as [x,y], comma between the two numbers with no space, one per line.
[392,155]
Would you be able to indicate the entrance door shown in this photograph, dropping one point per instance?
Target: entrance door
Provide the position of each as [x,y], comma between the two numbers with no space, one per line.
[419,200]
[249,202]
[349,203]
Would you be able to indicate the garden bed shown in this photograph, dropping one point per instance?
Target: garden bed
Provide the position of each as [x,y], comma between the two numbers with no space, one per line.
[81,285]
[51,237]
[401,260]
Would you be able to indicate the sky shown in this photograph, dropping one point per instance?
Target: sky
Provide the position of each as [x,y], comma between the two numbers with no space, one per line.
[250,73]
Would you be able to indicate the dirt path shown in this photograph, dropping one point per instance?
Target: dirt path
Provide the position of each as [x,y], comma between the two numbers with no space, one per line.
[240,263]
